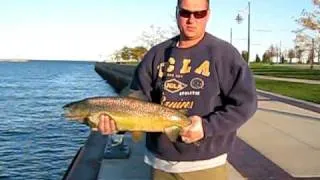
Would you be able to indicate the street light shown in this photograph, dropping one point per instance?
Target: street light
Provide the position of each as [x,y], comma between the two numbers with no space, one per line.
[239,19]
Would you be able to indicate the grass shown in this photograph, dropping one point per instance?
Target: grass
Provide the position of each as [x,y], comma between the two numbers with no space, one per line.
[286,71]
[307,92]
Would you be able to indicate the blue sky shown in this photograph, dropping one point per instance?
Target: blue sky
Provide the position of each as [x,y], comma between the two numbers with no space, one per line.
[88,30]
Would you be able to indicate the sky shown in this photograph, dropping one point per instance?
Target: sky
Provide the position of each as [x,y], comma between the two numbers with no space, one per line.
[94,29]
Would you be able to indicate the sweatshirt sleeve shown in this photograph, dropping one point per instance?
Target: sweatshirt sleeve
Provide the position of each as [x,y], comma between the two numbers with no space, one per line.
[141,84]
[239,97]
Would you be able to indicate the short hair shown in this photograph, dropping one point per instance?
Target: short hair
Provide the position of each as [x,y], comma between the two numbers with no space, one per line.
[179,2]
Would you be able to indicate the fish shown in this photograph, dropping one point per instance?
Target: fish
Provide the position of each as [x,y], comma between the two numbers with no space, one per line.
[130,114]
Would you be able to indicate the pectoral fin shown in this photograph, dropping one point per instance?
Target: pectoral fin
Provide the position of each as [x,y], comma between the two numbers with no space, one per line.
[89,121]
[172,132]
[136,136]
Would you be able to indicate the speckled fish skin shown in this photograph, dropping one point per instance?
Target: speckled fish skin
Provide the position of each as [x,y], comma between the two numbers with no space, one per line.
[129,114]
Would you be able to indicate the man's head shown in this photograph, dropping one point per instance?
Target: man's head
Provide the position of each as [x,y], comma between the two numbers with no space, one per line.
[192,17]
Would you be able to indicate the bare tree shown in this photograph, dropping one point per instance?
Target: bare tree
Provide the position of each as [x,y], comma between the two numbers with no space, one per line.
[155,34]
[310,28]
[291,55]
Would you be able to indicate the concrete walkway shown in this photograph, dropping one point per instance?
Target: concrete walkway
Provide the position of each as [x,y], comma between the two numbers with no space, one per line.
[307,81]
[135,169]
[286,135]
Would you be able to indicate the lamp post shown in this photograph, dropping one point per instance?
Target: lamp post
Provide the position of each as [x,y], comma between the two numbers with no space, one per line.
[239,19]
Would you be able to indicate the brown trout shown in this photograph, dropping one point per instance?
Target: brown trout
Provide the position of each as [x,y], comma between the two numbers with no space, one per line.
[129,114]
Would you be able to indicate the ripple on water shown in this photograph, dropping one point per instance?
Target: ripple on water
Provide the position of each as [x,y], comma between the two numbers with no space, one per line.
[36,141]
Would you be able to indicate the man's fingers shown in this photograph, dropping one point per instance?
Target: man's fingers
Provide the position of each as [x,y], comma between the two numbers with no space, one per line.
[101,125]
[106,125]
[113,126]
[186,140]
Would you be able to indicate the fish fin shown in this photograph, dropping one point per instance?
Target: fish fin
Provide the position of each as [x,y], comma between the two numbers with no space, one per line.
[88,121]
[91,124]
[93,120]
[136,94]
[136,136]
[172,132]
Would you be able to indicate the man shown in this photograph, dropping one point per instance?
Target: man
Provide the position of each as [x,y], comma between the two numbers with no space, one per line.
[204,75]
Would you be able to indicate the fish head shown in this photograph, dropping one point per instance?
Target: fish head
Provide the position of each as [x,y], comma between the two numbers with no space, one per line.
[78,110]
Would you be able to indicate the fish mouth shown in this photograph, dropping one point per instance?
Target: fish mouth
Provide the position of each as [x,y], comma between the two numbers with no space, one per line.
[73,117]
[67,114]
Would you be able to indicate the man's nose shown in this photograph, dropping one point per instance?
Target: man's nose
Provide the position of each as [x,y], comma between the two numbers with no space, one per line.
[191,19]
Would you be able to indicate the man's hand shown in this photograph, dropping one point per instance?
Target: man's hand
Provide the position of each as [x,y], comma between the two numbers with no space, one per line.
[106,125]
[193,132]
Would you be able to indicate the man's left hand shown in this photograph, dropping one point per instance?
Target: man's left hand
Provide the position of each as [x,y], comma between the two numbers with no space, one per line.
[193,132]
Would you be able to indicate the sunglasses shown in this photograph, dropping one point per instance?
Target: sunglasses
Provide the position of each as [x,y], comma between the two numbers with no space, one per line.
[197,14]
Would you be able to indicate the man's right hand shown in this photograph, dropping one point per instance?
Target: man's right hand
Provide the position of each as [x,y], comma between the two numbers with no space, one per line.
[107,125]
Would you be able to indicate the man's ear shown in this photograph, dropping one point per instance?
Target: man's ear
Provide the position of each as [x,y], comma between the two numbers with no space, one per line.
[177,16]
[177,13]
[209,14]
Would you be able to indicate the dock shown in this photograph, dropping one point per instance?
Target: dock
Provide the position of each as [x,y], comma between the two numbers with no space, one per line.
[281,141]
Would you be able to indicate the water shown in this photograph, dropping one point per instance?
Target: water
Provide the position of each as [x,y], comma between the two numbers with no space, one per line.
[36,142]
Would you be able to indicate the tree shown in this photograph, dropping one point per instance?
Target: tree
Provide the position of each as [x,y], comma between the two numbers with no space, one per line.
[266,58]
[282,60]
[273,51]
[291,55]
[156,34]
[258,60]
[310,20]
[244,55]
[126,53]
[138,52]
[310,29]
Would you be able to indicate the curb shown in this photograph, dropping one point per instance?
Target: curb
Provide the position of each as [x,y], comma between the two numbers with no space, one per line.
[295,102]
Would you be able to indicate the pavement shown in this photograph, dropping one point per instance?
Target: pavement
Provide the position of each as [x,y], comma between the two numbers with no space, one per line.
[307,81]
[286,135]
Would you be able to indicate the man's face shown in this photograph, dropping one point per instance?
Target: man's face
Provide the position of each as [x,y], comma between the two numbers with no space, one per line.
[192,25]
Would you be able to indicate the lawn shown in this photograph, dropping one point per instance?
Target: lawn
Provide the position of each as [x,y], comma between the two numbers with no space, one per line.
[286,71]
[307,92]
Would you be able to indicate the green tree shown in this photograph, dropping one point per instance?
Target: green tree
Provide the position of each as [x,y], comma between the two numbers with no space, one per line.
[138,52]
[125,53]
[244,55]
[258,60]
[266,58]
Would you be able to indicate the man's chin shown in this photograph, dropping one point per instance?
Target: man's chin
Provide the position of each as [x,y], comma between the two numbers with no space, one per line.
[191,36]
